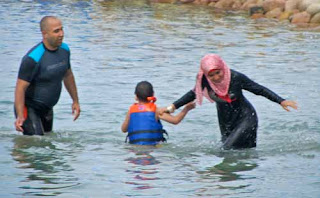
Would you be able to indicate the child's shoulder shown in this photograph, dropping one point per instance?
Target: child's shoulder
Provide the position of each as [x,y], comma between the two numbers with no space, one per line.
[143,107]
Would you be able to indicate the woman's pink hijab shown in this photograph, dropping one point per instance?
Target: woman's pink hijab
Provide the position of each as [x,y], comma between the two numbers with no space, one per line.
[208,63]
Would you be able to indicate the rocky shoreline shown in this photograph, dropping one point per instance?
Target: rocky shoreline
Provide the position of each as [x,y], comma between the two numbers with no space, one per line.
[305,13]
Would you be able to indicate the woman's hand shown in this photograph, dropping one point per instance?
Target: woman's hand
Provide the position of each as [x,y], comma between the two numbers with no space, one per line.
[169,109]
[288,103]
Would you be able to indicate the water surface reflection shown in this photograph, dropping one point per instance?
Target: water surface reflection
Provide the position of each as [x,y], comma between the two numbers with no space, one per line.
[142,167]
[231,174]
[44,162]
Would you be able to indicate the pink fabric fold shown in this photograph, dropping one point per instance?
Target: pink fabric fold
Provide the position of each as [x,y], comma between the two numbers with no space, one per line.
[209,62]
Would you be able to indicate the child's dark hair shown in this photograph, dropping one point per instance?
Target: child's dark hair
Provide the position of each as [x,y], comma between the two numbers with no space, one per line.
[144,90]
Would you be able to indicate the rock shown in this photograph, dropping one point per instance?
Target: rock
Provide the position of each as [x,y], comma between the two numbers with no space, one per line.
[269,5]
[205,2]
[291,5]
[248,4]
[255,10]
[303,25]
[275,13]
[301,17]
[304,4]
[163,1]
[313,9]
[296,11]
[285,15]
[315,18]
[224,4]
[237,5]
[186,1]
[257,16]
[202,2]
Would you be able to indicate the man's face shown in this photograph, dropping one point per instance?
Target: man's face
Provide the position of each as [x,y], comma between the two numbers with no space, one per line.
[53,33]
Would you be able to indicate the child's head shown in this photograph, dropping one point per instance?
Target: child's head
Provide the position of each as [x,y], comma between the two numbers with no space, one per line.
[144,90]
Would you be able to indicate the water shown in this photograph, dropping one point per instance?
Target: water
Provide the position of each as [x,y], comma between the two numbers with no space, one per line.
[114,45]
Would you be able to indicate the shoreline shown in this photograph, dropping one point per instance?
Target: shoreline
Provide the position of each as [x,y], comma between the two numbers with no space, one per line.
[302,13]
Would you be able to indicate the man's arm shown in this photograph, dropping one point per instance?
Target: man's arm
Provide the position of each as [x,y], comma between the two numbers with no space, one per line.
[19,102]
[70,85]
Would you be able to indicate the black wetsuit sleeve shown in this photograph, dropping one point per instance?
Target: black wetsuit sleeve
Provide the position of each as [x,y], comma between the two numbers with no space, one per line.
[186,98]
[253,87]
[28,69]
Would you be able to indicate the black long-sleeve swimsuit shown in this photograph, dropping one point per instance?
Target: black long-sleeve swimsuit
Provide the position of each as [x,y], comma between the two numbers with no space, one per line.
[238,119]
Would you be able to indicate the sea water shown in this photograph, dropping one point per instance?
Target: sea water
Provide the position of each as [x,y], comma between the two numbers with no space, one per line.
[116,44]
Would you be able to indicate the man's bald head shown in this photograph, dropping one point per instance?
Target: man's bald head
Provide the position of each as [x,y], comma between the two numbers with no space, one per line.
[45,21]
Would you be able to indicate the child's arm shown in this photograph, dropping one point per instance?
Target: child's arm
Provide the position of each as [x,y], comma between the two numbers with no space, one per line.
[125,123]
[177,118]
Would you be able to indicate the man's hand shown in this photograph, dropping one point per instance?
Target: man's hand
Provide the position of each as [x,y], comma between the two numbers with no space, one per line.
[18,123]
[75,111]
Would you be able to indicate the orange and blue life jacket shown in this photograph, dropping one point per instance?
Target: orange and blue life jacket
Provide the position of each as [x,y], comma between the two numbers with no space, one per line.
[144,128]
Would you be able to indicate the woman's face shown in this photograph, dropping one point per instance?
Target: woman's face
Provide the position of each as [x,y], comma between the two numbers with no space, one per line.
[215,76]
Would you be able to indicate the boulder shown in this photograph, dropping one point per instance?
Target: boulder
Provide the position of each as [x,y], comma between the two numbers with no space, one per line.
[202,2]
[224,4]
[237,5]
[275,13]
[186,1]
[205,2]
[301,17]
[257,16]
[269,5]
[285,15]
[304,4]
[315,18]
[291,5]
[248,4]
[255,10]
[164,1]
[313,9]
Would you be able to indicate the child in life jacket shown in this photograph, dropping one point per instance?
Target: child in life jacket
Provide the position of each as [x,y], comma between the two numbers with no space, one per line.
[143,119]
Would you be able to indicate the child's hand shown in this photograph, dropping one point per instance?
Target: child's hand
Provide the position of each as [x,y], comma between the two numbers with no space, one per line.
[162,110]
[190,105]
[169,109]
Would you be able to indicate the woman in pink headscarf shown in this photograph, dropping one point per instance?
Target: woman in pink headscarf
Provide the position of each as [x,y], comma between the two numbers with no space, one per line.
[238,119]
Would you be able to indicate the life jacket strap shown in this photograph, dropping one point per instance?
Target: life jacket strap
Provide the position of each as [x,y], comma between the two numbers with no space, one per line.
[163,139]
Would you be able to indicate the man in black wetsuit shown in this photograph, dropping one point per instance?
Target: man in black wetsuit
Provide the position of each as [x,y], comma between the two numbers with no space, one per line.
[238,119]
[40,77]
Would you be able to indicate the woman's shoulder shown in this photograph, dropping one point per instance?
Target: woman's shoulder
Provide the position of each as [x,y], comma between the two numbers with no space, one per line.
[236,74]
[239,77]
